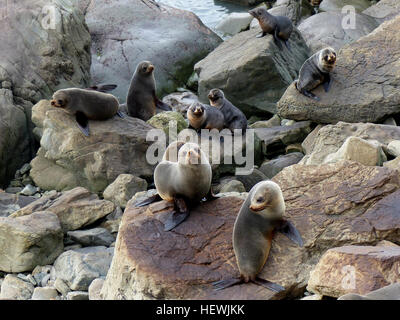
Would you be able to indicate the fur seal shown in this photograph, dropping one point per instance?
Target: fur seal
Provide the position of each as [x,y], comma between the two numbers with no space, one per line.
[260,215]
[142,100]
[185,181]
[205,117]
[234,118]
[86,105]
[279,26]
[315,71]
[315,4]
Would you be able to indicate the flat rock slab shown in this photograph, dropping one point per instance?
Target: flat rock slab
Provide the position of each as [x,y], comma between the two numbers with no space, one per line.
[10,203]
[355,269]
[365,83]
[321,201]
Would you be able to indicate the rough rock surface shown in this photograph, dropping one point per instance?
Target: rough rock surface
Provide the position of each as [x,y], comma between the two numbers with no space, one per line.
[326,29]
[92,237]
[365,83]
[47,293]
[14,288]
[118,45]
[75,208]
[29,241]
[67,159]
[234,23]
[390,292]
[337,5]
[238,67]
[322,201]
[325,141]
[384,10]
[272,167]
[10,203]
[355,269]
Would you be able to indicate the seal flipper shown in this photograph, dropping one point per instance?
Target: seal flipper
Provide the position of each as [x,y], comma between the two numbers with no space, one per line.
[163,106]
[262,34]
[149,200]
[310,95]
[277,39]
[103,87]
[288,45]
[223,284]
[83,123]
[290,231]
[328,82]
[120,114]
[178,216]
[268,284]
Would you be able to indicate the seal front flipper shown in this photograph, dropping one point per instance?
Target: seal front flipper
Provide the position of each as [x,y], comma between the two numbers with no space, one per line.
[328,82]
[289,230]
[277,39]
[223,284]
[149,200]
[178,216]
[82,122]
[159,104]
[310,95]
[268,284]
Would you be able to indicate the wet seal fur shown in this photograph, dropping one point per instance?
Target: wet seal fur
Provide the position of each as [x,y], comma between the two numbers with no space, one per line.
[315,71]
[279,26]
[205,117]
[260,215]
[234,118]
[142,100]
[85,105]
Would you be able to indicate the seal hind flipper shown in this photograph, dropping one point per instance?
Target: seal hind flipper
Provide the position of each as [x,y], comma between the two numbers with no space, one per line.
[268,284]
[226,283]
[103,87]
[83,123]
[290,231]
[328,82]
[178,216]
[310,95]
[149,200]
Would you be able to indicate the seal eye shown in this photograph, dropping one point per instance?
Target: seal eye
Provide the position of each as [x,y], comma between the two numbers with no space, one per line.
[260,200]
[60,102]
[144,69]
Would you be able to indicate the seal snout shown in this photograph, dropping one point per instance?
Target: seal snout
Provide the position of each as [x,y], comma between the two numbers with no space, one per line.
[150,68]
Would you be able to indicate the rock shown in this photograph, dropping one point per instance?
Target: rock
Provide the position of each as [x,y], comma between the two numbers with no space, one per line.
[337,5]
[28,241]
[47,293]
[78,268]
[180,101]
[384,10]
[10,203]
[124,188]
[313,297]
[274,140]
[362,67]
[250,180]
[233,186]
[275,121]
[360,150]
[394,164]
[238,67]
[78,295]
[322,202]
[272,167]
[319,146]
[92,237]
[49,57]
[61,286]
[29,190]
[234,23]
[13,288]
[390,292]
[293,9]
[95,289]
[390,122]
[394,148]
[65,160]
[28,278]
[355,269]
[75,208]
[325,29]
[165,121]
[172,50]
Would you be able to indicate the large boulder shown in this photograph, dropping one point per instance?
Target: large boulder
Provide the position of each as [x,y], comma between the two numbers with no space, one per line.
[26,242]
[322,202]
[326,29]
[67,159]
[75,208]
[384,10]
[13,288]
[37,57]
[337,5]
[252,72]
[325,142]
[126,32]
[365,83]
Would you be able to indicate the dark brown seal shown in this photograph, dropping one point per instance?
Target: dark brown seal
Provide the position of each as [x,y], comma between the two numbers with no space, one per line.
[205,117]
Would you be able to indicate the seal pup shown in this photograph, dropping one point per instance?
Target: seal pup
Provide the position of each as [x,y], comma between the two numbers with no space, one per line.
[86,105]
[234,118]
[260,215]
[279,26]
[204,117]
[315,71]
[142,100]
[185,182]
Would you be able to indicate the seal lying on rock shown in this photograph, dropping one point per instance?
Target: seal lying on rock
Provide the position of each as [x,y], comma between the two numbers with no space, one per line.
[184,182]
[86,105]
[315,71]
[279,26]
[205,117]
[142,100]
[234,118]
[260,215]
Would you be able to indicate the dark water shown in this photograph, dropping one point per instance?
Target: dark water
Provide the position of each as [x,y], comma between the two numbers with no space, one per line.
[211,12]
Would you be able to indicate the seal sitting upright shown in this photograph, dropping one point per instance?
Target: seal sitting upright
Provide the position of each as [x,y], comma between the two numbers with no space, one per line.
[315,71]
[260,215]
[279,26]
[205,117]
[86,105]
